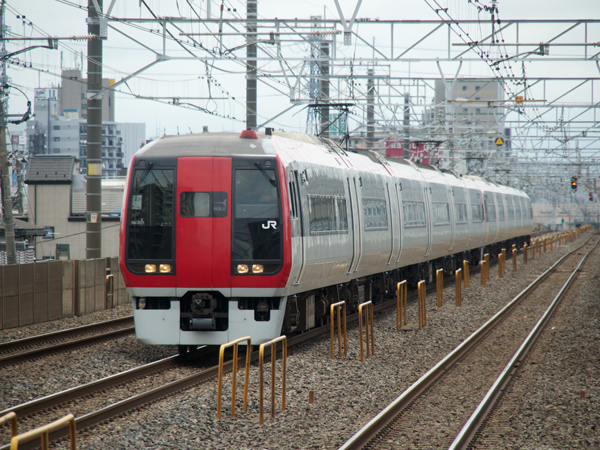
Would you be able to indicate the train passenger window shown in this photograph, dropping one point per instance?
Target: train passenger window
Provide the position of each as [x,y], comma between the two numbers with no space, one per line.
[327,214]
[490,210]
[510,209]
[460,210]
[477,212]
[414,214]
[375,214]
[500,210]
[441,213]
[203,204]
[517,209]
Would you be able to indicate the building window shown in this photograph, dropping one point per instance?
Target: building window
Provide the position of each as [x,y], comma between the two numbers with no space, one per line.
[56,127]
[111,142]
[464,88]
[111,155]
[118,132]
[476,88]
[477,110]
[57,139]
[477,98]
[56,150]
[84,116]
[83,129]
[82,151]
[84,106]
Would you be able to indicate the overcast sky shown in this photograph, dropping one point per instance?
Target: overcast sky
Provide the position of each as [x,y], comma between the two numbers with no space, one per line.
[122,56]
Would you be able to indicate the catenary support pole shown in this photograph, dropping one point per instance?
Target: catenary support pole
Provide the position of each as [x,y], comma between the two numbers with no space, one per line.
[94,136]
[251,54]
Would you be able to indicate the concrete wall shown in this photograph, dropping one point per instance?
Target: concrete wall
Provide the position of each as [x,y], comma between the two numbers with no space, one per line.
[50,290]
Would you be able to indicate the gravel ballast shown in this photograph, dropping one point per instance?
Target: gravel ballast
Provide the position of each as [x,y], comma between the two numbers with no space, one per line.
[347,393]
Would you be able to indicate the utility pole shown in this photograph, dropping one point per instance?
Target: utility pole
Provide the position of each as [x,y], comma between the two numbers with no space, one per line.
[324,110]
[406,141]
[93,215]
[9,225]
[370,110]
[251,54]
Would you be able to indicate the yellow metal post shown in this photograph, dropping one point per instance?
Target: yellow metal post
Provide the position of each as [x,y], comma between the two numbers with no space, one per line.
[233,344]
[487,265]
[368,308]
[261,355]
[514,259]
[458,285]
[43,433]
[466,273]
[482,275]
[401,304]
[337,306]
[500,275]
[439,286]
[422,296]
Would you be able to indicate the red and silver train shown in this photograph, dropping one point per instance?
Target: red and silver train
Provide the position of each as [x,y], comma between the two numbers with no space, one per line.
[226,235]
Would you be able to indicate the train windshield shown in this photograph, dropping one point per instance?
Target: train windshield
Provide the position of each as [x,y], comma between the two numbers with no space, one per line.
[151,215]
[257,224]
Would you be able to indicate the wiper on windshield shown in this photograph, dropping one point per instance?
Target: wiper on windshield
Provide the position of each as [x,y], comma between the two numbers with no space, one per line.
[266,175]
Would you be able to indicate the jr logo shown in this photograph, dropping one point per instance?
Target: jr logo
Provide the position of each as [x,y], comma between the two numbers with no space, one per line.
[270,224]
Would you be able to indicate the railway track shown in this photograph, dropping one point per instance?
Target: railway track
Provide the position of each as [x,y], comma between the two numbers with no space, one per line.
[441,401]
[74,400]
[42,345]
[43,410]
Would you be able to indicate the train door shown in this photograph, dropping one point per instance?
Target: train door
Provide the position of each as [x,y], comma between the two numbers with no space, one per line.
[400,220]
[297,227]
[452,217]
[203,251]
[427,200]
[356,225]
[394,215]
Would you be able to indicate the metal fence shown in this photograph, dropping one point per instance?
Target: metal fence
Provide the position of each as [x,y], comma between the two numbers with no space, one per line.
[49,290]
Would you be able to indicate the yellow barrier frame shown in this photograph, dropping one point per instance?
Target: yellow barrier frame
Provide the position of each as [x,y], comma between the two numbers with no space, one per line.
[422,295]
[43,432]
[233,344]
[261,357]
[14,427]
[458,285]
[439,287]
[466,273]
[401,304]
[339,306]
[500,266]
[368,319]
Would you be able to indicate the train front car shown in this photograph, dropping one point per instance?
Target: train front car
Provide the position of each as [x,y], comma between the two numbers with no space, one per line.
[202,246]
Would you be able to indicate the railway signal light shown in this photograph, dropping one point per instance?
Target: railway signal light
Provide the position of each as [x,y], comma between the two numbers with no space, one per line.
[574,182]
[591,197]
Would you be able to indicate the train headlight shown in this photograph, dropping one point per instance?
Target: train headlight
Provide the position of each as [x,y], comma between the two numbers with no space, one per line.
[257,268]
[164,268]
[150,268]
[242,268]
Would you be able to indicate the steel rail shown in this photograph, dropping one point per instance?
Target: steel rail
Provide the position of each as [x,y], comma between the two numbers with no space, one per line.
[16,357]
[135,402]
[379,422]
[469,431]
